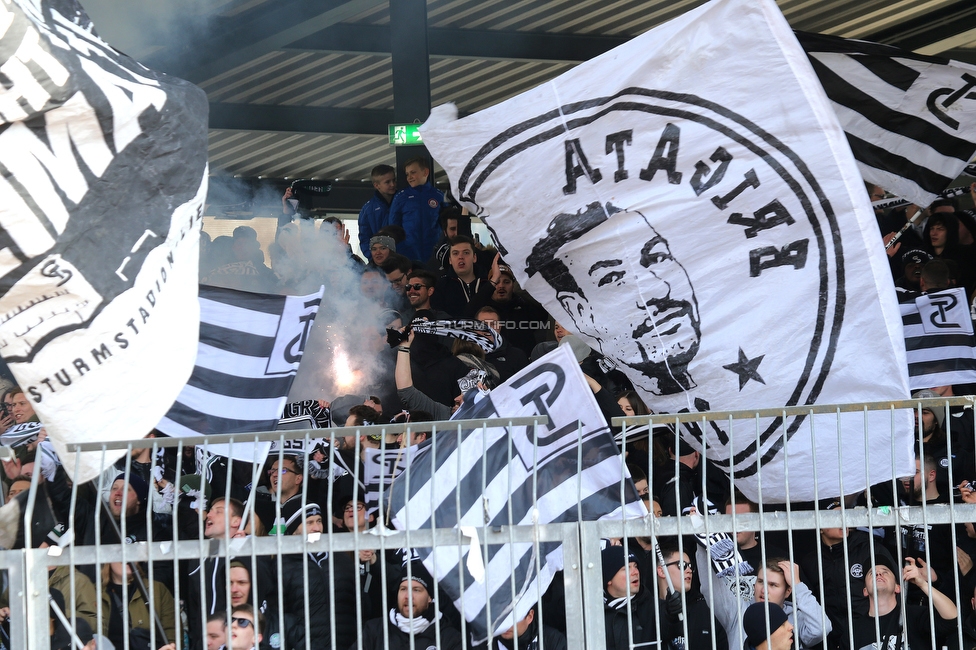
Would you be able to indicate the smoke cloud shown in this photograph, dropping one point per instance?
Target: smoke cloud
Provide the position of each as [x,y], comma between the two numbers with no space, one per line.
[143,28]
[346,352]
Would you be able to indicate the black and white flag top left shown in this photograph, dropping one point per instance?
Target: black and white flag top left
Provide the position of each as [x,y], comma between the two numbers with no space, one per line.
[710,237]
[939,341]
[250,347]
[910,119]
[514,476]
[103,173]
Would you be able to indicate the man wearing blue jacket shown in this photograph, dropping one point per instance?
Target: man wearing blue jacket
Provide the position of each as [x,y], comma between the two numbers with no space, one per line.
[376,213]
[416,209]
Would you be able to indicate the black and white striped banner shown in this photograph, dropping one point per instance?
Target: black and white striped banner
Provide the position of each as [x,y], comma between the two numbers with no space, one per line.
[249,351]
[910,119]
[939,342]
[514,476]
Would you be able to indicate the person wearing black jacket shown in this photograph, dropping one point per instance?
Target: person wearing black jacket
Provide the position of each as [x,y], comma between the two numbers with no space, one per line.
[414,622]
[829,576]
[526,322]
[528,636]
[507,359]
[223,520]
[884,617]
[694,610]
[969,628]
[461,290]
[316,592]
[679,493]
[628,605]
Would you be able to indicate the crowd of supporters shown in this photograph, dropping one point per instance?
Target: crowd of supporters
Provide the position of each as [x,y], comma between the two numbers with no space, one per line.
[828,588]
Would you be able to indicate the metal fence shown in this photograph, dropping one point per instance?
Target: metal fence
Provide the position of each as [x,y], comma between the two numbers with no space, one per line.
[579,612]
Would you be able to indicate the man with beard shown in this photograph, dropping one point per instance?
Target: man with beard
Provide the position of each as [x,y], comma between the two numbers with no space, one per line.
[930,422]
[435,370]
[936,539]
[414,622]
[654,327]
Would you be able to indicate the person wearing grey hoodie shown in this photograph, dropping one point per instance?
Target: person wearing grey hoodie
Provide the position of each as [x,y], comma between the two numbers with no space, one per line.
[776,582]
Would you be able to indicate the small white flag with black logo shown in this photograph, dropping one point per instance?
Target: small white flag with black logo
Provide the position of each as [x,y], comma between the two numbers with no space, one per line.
[939,342]
[249,351]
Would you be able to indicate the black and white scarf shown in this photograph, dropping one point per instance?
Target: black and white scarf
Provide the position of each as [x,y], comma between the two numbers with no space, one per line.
[467,330]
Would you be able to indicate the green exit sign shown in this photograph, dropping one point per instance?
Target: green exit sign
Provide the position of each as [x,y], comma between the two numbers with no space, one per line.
[405,134]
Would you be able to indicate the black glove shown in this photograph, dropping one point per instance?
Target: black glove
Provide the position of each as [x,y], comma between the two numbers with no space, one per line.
[395,337]
[672,605]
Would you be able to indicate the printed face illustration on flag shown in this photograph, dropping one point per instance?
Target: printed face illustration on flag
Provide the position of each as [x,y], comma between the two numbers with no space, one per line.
[688,205]
[103,169]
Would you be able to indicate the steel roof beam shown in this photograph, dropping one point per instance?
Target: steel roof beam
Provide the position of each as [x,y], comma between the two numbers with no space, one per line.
[301,119]
[466,43]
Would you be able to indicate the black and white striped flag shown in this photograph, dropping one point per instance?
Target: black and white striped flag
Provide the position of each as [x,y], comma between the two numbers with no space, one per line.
[910,119]
[939,343]
[249,351]
[513,476]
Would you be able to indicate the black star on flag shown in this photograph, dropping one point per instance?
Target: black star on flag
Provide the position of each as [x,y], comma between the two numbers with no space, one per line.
[746,368]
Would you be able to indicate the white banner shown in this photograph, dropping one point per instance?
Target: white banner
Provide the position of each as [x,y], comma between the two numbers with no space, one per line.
[688,204]
[103,174]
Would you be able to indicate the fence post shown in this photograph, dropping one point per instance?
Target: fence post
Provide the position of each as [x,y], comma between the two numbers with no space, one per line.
[17,594]
[593,618]
[36,596]
[573,585]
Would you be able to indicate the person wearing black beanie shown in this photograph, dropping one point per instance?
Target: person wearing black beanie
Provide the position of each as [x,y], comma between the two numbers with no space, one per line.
[414,618]
[754,623]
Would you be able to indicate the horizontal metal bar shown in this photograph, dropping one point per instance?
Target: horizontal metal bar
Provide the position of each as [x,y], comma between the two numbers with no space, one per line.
[686,525]
[296,434]
[191,549]
[744,414]
[781,520]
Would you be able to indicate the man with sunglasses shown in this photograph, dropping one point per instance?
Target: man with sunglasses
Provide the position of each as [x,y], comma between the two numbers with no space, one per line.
[676,598]
[243,635]
[286,476]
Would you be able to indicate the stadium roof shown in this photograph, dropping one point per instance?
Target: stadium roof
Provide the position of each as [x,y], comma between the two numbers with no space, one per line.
[305,88]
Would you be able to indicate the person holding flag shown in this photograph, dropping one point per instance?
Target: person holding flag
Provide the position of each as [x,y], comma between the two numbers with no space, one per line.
[678,605]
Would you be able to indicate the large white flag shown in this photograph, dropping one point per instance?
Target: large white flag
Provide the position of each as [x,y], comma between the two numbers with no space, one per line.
[103,174]
[688,204]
